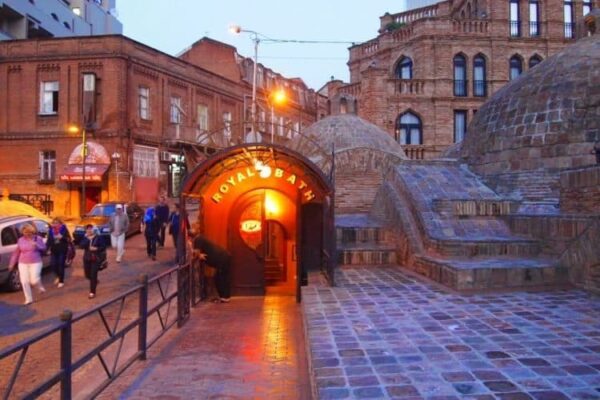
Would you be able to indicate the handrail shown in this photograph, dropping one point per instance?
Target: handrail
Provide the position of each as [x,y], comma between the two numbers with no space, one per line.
[117,333]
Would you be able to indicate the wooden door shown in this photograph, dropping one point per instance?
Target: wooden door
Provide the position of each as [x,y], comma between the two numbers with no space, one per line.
[246,243]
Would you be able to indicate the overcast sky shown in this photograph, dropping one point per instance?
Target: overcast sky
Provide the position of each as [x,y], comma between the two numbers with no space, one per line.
[175,27]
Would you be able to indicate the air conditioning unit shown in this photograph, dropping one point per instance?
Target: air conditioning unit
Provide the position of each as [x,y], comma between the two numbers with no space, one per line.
[165,156]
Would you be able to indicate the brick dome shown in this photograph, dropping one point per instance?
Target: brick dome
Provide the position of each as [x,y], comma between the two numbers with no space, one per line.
[344,132]
[363,156]
[540,124]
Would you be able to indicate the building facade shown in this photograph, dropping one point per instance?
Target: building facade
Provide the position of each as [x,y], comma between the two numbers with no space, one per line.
[427,72]
[148,117]
[21,19]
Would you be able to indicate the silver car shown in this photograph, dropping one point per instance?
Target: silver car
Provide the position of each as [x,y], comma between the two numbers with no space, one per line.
[10,231]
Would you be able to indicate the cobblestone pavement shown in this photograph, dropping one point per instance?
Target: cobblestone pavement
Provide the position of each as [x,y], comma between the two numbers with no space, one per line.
[18,322]
[251,348]
[383,333]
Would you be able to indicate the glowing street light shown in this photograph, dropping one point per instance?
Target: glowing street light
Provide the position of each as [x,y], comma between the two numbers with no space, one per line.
[278,97]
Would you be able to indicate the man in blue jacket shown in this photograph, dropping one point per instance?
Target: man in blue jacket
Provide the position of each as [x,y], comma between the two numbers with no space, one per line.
[162,215]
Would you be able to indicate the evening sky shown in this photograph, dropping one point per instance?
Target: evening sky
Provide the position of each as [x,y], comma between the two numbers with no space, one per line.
[172,26]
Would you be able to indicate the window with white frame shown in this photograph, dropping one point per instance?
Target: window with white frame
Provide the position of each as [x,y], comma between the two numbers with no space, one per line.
[227,124]
[49,97]
[202,117]
[144,99]
[145,161]
[262,119]
[47,164]
[175,110]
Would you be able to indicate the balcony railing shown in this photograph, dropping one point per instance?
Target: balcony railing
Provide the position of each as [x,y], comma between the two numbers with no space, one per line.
[569,30]
[534,29]
[409,86]
[515,28]
[480,88]
[460,87]
[414,151]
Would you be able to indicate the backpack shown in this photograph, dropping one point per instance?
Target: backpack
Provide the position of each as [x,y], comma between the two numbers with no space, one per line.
[149,215]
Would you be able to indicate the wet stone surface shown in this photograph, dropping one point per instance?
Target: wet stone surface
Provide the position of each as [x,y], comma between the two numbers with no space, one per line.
[382,333]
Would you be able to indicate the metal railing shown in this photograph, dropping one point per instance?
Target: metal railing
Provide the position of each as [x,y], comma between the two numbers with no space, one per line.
[479,88]
[42,202]
[569,30]
[460,87]
[115,311]
[534,29]
[515,28]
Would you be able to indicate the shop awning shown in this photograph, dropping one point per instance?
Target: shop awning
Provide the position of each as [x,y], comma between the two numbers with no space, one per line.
[74,172]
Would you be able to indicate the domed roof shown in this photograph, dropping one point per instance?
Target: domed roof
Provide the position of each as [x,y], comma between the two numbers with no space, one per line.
[547,119]
[344,132]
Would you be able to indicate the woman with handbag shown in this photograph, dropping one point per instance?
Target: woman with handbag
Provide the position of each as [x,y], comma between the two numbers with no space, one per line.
[94,255]
[28,256]
[58,242]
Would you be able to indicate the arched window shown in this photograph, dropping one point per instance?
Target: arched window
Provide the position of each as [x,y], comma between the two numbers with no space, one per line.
[516,67]
[404,68]
[479,76]
[515,19]
[460,75]
[534,60]
[409,129]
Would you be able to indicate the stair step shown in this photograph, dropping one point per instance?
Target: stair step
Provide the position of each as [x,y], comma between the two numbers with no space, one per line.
[479,273]
[499,247]
[366,256]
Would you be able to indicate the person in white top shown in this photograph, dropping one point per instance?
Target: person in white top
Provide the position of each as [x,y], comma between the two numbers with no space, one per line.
[118,224]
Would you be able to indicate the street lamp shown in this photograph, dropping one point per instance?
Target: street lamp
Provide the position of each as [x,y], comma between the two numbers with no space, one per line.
[74,129]
[116,157]
[236,29]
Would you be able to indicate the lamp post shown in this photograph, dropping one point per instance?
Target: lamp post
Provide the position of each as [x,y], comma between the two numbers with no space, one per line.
[236,29]
[75,129]
[116,157]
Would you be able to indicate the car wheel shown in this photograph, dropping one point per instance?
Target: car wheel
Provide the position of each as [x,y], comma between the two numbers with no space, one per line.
[14,282]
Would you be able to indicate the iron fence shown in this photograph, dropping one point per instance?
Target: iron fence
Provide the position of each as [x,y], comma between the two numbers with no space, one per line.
[116,326]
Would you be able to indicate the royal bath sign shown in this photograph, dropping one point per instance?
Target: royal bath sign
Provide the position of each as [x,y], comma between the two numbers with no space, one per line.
[264,172]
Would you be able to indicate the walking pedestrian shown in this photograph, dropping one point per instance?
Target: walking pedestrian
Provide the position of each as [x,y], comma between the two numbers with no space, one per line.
[118,225]
[218,258]
[28,257]
[162,215]
[94,255]
[59,240]
[175,227]
[151,228]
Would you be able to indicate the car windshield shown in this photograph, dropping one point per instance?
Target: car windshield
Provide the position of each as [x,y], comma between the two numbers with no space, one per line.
[102,210]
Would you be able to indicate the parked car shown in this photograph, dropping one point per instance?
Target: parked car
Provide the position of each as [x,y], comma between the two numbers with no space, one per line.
[99,216]
[10,232]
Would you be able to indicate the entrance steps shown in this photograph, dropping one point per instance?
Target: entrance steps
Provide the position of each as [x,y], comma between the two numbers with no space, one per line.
[440,220]
[362,241]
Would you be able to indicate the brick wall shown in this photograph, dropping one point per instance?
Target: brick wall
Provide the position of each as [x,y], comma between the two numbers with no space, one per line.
[580,191]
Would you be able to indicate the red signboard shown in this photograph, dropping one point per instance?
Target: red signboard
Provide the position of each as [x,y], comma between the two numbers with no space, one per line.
[74,173]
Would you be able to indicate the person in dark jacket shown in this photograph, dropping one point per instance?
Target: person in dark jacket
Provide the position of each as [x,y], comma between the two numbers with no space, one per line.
[162,215]
[151,228]
[218,258]
[58,242]
[175,227]
[94,255]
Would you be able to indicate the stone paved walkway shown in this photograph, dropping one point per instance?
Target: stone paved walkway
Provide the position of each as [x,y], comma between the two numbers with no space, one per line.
[383,333]
[251,348]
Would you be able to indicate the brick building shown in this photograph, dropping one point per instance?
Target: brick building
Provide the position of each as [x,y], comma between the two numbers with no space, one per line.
[427,72]
[148,116]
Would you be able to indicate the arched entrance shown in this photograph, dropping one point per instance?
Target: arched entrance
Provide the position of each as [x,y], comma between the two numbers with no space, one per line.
[271,208]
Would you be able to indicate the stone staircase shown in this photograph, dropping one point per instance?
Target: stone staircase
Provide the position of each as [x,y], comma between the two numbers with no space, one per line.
[447,225]
[363,241]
